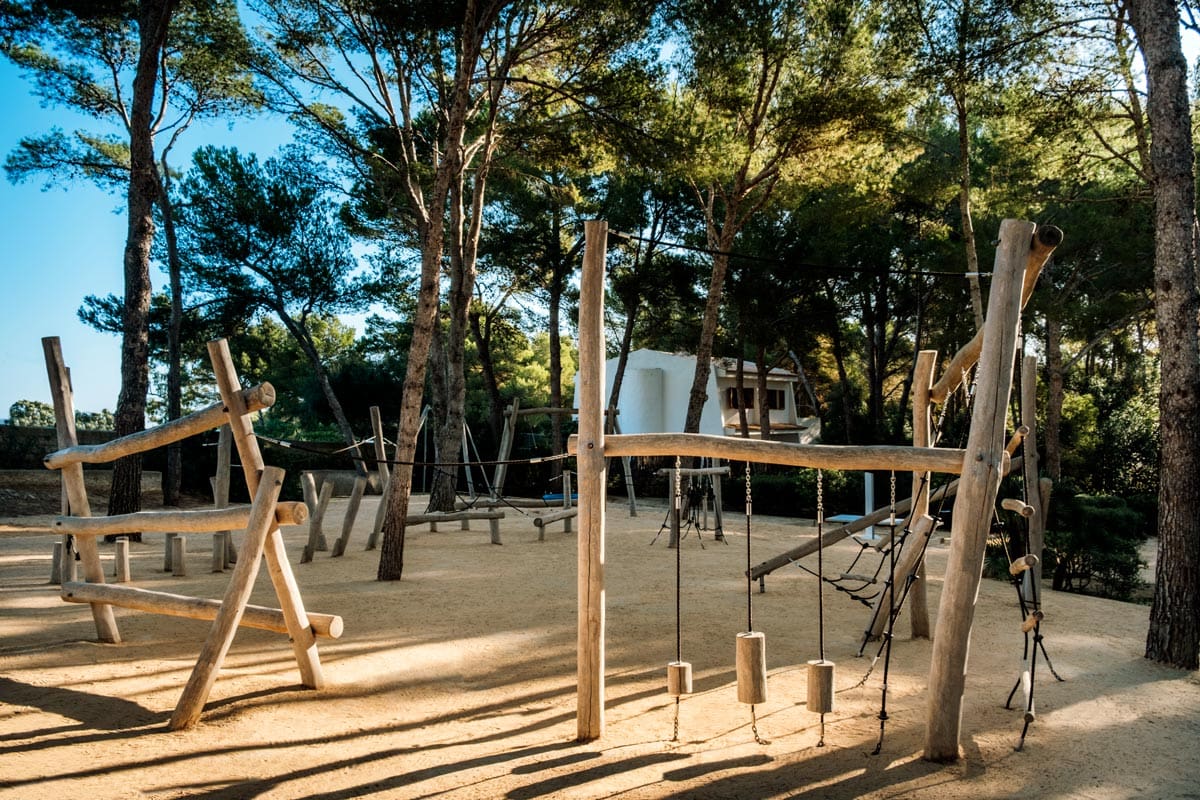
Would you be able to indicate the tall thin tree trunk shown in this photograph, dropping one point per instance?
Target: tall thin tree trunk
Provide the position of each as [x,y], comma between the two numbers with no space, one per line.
[1174,634]
[482,334]
[172,479]
[154,17]
[1054,397]
[764,404]
[964,209]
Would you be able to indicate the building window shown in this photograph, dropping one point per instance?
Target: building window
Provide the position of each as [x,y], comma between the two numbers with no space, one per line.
[732,400]
[776,400]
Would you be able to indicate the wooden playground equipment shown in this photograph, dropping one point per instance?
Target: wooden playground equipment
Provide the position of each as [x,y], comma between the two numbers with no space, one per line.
[260,521]
[980,466]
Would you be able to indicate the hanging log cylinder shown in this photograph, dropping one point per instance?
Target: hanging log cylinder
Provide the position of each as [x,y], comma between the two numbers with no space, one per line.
[679,678]
[1013,504]
[752,667]
[820,686]
[1023,563]
[1032,621]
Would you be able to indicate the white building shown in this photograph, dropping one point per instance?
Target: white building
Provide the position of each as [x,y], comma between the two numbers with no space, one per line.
[654,397]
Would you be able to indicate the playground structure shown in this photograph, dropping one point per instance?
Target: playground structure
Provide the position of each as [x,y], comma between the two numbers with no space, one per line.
[262,541]
[1022,252]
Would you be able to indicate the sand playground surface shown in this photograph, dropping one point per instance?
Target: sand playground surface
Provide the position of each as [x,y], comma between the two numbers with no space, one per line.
[459,681]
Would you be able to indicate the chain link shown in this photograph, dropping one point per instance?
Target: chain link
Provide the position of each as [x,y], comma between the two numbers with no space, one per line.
[754,727]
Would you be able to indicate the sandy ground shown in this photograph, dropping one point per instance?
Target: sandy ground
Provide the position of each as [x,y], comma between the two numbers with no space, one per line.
[459,682]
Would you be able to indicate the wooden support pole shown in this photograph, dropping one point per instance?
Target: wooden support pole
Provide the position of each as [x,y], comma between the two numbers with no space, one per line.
[356,496]
[592,481]
[973,510]
[233,604]
[327,626]
[179,556]
[73,485]
[1033,486]
[284,582]
[385,477]
[818,456]
[224,553]
[1042,244]
[121,560]
[56,562]
[255,399]
[918,603]
[506,442]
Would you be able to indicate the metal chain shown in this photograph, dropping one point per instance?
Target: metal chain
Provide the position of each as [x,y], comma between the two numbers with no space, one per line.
[675,729]
[754,727]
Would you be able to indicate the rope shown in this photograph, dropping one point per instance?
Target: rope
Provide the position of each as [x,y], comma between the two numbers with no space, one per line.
[395,462]
[750,592]
[821,585]
[888,631]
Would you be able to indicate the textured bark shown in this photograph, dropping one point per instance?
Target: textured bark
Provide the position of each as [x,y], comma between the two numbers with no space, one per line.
[964,210]
[1174,633]
[153,19]
[172,478]
[1054,396]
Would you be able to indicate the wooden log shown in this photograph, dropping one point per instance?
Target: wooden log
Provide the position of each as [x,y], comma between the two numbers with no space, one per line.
[1036,527]
[284,582]
[179,557]
[233,604]
[542,520]
[255,399]
[1017,506]
[506,442]
[204,520]
[975,506]
[1032,621]
[1023,563]
[820,686]
[685,472]
[862,523]
[327,626]
[356,496]
[1016,439]
[168,551]
[751,667]
[224,553]
[450,516]
[56,563]
[913,564]
[73,485]
[385,477]
[590,544]
[121,560]
[908,562]
[819,456]
[679,678]
[1041,245]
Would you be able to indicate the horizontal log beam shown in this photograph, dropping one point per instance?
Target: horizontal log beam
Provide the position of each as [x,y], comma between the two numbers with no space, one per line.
[819,456]
[328,626]
[214,416]
[542,520]
[209,520]
[451,516]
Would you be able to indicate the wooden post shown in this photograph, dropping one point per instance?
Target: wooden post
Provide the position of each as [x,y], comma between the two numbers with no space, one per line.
[168,552]
[1033,494]
[178,556]
[356,496]
[291,604]
[910,561]
[121,560]
[56,562]
[233,604]
[72,477]
[592,477]
[223,552]
[506,442]
[385,478]
[982,471]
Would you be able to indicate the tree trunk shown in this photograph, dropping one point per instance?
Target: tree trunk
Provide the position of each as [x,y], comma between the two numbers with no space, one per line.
[481,332]
[1054,396]
[172,479]
[631,314]
[153,19]
[764,405]
[964,209]
[556,399]
[442,487]
[698,395]
[1174,634]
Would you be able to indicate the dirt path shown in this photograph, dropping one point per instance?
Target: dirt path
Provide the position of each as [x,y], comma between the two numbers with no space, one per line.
[458,682]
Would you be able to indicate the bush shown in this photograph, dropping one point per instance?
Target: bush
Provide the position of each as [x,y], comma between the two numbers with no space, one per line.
[1092,545]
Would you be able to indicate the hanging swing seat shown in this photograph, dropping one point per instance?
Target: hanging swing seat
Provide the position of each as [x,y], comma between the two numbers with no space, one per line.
[850,576]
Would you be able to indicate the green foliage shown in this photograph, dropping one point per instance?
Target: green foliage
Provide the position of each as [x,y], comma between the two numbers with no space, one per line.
[36,414]
[793,492]
[1092,544]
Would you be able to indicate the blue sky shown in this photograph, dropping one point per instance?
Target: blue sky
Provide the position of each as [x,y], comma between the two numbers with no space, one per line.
[66,242]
